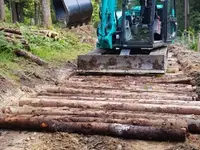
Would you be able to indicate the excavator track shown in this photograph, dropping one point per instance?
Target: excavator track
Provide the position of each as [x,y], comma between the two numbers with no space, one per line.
[155,107]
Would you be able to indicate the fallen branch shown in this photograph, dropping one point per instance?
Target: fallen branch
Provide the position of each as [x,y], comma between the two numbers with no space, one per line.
[28,55]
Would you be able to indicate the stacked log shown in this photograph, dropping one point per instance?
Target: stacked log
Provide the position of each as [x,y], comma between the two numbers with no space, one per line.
[147,108]
[88,125]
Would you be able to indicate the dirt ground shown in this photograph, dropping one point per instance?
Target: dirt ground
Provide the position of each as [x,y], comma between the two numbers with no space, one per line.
[24,140]
[30,82]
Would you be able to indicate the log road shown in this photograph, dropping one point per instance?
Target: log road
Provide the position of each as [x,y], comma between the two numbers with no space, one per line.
[139,107]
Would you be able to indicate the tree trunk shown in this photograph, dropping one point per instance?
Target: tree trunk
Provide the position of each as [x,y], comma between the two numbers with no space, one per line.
[2,10]
[120,130]
[15,17]
[37,13]
[46,13]
[20,11]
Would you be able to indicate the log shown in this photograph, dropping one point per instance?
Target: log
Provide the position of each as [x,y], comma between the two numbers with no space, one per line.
[186,80]
[133,101]
[174,109]
[14,31]
[133,95]
[28,55]
[134,88]
[164,122]
[13,35]
[140,118]
[122,93]
[115,114]
[194,126]
[43,123]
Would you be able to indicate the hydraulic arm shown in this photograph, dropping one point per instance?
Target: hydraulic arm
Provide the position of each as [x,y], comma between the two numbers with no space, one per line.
[107,26]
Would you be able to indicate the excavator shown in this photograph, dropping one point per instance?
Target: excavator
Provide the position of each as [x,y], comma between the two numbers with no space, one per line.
[133,35]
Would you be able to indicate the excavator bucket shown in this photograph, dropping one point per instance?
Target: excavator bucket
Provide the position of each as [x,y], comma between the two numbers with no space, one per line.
[97,62]
[73,12]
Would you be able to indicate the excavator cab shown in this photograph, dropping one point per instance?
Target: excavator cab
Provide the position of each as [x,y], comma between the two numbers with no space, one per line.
[73,12]
[144,24]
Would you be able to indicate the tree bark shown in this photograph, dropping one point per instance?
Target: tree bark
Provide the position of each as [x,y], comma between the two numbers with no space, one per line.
[115,114]
[15,17]
[118,100]
[13,31]
[166,122]
[123,93]
[120,130]
[30,56]
[37,13]
[173,109]
[20,11]
[46,13]
[2,10]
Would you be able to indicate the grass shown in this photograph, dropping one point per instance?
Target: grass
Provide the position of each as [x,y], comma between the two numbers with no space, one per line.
[55,52]
[67,48]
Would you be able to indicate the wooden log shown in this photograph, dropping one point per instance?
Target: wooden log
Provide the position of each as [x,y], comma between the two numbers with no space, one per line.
[96,98]
[194,126]
[174,109]
[164,122]
[123,117]
[185,80]
[133,95]
[13,35]
[139,88]
[14,31]
[117,92]
[119,130]
[115,114]
[28,55]
[132,101]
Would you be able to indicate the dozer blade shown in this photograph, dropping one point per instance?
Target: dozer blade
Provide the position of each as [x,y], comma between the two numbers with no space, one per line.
[73,12]
[98,63]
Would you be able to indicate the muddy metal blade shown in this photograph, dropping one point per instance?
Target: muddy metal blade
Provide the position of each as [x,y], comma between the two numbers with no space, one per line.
[154,63]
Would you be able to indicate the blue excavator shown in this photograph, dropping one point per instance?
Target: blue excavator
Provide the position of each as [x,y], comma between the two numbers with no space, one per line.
[133,35]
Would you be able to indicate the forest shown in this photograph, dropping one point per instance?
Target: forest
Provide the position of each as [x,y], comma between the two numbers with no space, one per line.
[30,12]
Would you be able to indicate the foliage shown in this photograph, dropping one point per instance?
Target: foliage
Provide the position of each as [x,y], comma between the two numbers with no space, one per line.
[66,48]
[7,47]
[54,51]
[189,38]
[95,15]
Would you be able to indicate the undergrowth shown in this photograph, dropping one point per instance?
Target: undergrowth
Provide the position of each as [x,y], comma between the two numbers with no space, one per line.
[67,47]
[55,52]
